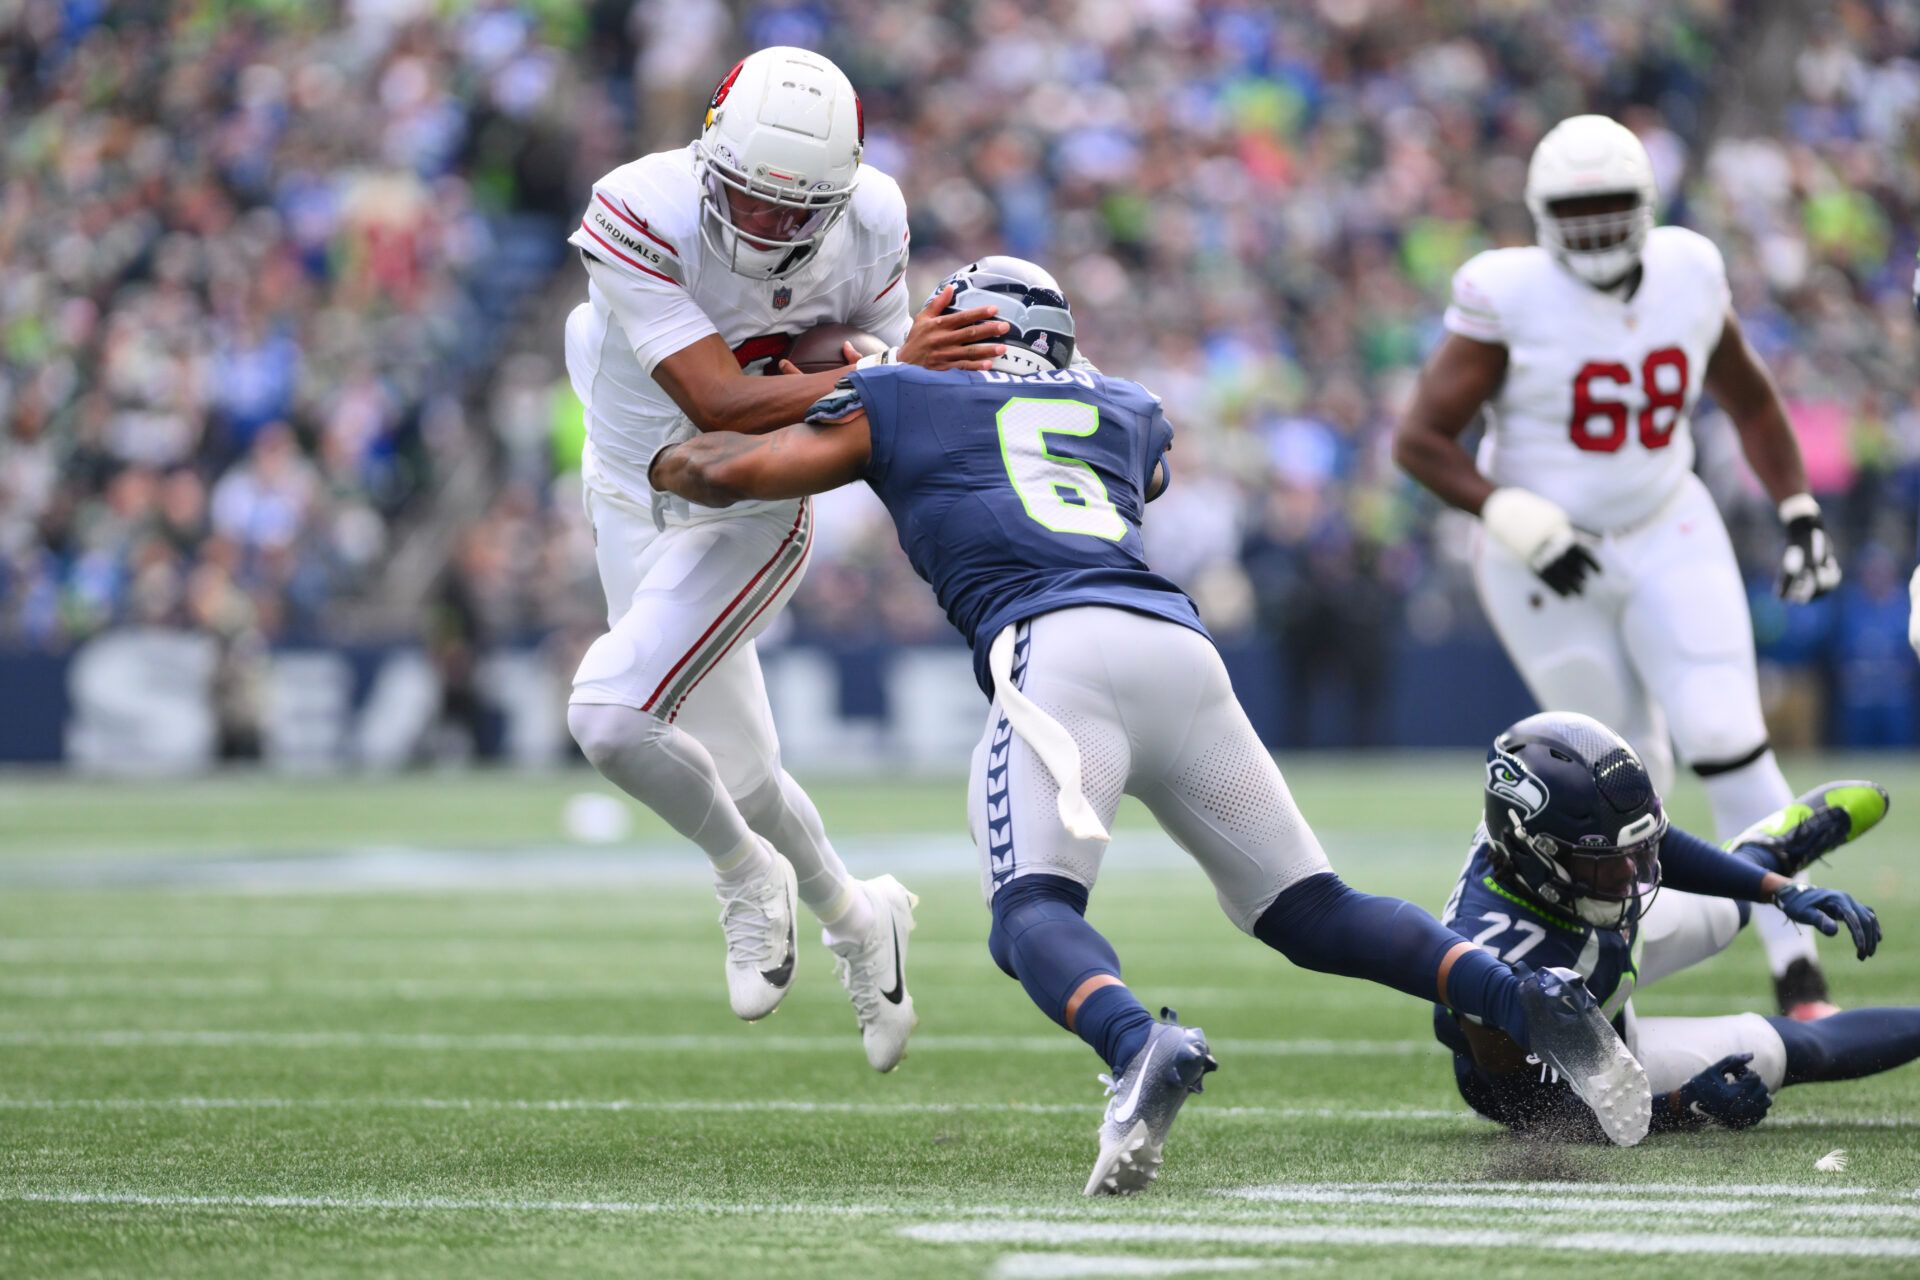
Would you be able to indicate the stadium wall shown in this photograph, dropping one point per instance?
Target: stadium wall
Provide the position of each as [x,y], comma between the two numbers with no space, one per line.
[166,701]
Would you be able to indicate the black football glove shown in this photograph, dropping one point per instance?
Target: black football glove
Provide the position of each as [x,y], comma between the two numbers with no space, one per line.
[1808,569]
[1567,574]
[1825,909]
[1728,1092]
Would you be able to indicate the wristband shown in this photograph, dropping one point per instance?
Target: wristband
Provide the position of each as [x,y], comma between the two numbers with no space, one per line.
[1801,506]
[890,356]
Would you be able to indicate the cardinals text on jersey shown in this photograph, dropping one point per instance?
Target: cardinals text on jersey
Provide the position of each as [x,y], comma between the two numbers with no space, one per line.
[1594,409]
[654,290]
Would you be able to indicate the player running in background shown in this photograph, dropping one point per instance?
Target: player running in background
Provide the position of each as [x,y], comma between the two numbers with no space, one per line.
[1564,871]
[702,265]
[1604,565]
[1018,495]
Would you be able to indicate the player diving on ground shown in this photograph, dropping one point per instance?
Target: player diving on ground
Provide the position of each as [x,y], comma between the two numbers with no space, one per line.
[702,265]
[1604,566]
[1018,494]
[1568,868]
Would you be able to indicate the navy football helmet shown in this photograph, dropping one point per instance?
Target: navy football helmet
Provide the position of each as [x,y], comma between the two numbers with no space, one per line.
[1040,336]
[1573,818]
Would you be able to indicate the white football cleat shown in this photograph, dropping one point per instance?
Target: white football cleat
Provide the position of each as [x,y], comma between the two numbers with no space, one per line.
[874,972]
[758,920]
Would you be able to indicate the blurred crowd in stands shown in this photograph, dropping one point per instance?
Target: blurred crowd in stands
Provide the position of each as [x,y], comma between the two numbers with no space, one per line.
[280,289]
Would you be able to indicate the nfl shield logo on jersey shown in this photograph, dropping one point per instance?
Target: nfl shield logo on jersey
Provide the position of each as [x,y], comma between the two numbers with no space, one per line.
[781,297]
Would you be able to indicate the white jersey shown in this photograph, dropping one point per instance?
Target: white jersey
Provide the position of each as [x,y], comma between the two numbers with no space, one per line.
[1599,389]
[654,288]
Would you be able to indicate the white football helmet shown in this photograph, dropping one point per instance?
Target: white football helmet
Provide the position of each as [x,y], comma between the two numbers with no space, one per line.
[1592,156]
[784,128]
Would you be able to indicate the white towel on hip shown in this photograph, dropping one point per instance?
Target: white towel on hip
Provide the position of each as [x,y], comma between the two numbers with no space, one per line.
[1049,740]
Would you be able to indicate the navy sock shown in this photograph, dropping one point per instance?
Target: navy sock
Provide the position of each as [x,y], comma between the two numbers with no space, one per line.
[1849,1044]
[1041,937]
[1115,1023]
[1323,924]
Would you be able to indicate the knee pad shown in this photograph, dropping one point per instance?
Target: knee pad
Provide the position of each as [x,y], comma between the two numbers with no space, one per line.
[1026,937]
[605,730]
[1716,720]
[757,800]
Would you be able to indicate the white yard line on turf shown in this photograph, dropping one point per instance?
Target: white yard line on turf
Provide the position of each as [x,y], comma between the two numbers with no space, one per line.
[745,1042]
[436,1204]
[1029,1231]
[1562,1200]
[1094,1266]
[1781,1190]
[696,1106]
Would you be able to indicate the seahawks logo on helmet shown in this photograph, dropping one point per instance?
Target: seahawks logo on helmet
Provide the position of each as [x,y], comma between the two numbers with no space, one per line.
[1515,783]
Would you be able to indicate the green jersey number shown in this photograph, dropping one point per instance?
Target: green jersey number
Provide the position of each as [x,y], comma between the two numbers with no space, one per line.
[1063,494]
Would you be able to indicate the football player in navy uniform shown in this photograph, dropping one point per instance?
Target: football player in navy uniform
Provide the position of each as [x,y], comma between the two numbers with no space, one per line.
[1564,871]
[1018,494]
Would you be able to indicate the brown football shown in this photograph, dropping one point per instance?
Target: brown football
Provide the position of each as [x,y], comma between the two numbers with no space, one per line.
[818,349]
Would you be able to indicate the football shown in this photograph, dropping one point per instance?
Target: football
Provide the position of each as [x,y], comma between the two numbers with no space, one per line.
[818,349]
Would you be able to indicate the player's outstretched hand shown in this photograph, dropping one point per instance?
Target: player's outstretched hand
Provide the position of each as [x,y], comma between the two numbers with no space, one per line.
[960,340]
[1729,1092]
[1826,910]
[1808,569]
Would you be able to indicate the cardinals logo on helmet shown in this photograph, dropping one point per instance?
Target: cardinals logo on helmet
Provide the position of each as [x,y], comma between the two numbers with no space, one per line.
[720,92]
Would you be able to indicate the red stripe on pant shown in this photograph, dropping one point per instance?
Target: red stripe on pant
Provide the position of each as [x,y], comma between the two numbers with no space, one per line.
[798,519]
[681,701]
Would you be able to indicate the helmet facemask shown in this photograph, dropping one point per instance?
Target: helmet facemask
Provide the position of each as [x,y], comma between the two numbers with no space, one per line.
[1605,885]
[784,243]
[1598,237]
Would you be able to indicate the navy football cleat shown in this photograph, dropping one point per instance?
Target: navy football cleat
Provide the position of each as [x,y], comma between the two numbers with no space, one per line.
[1147,1095]
[1568,1033]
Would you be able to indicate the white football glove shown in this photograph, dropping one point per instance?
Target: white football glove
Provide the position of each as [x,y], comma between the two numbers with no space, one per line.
[1537,531]
[1808,569]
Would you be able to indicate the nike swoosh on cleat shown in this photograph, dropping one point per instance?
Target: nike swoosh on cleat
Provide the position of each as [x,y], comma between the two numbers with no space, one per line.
[1133,1094]
[899,981]
[781,974]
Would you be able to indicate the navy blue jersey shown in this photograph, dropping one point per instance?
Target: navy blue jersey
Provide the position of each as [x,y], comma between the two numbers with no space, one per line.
[1016,495]
[1484,911]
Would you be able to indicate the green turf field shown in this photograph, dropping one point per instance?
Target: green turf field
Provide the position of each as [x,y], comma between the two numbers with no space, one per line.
[405,1028]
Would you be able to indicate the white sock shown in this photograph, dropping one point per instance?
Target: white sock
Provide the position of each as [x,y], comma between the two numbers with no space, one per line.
[750,862]
[781,810]
[1740,798]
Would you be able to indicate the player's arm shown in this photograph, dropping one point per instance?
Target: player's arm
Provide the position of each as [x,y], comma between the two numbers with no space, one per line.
[1693,865]
[704,378]
[1741,385]
[1458,380]
[721,468]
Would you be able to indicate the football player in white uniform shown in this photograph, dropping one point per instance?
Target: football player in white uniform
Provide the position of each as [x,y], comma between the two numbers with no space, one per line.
[703,264]
[1603,564]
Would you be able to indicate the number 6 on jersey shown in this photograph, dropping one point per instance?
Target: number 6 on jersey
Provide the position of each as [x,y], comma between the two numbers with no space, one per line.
[1063,494]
